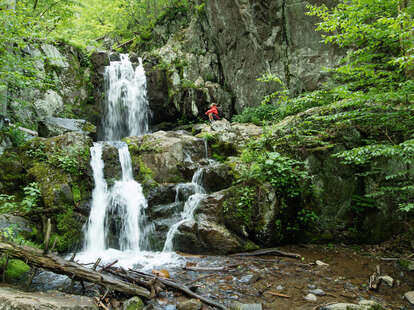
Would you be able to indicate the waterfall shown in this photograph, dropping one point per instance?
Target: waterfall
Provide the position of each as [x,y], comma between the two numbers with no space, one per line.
[126,110]
[95,237]
[189,207]
[118,210]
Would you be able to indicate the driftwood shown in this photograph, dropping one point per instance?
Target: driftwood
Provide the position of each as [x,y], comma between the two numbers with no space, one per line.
[182,288]
[225,268]
[35,257]
[374,279]
[269,252]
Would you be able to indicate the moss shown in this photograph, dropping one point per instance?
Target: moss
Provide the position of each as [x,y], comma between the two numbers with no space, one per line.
[88,127]
[69,230]
[76,193]
[15,268]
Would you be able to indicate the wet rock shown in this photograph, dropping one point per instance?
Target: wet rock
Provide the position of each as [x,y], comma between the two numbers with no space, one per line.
[310,297]
[246,278]
[54,126]
[217,177]
[163,194]
[363,305]
[12,299]
[317,292]
[192,304]
[388,280]
[135,303]
[410,297]
[239,306]
[99,59]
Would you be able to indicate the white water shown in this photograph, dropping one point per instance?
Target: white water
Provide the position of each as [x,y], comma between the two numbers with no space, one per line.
[126,106]
[189,207]
[121,206]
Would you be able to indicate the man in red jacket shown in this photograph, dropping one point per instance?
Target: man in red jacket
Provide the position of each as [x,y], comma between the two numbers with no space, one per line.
[213,113]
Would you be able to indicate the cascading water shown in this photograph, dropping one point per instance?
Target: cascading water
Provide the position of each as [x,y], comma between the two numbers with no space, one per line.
[189,207]
[121,206]
[126,110]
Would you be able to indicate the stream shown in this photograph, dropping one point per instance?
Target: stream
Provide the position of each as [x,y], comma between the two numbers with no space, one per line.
[117,229]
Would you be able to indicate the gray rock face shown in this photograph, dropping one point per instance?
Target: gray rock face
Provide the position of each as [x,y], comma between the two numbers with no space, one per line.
[54,126]
[54,57]
[50,105]
[12,224]
[12,299]
[230,44]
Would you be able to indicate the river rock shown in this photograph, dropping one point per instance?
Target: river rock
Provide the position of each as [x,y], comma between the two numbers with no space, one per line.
[388,280]
[239,306]
[13,299]
[134,303]
[55,126]
[192,304]
[410,297]
[363,305]
[310,297]
[317,292]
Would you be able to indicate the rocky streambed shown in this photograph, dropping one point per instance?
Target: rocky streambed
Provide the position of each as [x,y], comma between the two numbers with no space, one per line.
[326,277]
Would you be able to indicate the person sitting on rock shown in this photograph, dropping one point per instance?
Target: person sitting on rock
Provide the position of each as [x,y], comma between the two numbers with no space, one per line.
[212,113]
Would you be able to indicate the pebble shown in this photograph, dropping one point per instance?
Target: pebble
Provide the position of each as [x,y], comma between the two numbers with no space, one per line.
[321,263]
[246,279]
[317,292]
[388,280]
[192,304]
[410,297]
[310,297]
[311,286]
[280,288]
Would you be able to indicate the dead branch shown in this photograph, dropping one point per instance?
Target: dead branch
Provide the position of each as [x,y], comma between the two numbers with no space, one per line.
[269,252]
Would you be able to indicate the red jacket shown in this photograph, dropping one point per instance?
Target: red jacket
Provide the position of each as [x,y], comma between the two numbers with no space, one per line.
[214,111]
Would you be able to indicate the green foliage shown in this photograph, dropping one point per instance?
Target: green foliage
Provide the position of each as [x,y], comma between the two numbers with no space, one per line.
[283,173]
[243,204]
[16,136]
[395,182]
[31,197]
[30,201]
[69,230]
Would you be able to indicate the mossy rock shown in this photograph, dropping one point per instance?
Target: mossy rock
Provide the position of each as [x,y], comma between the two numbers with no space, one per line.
[15,269]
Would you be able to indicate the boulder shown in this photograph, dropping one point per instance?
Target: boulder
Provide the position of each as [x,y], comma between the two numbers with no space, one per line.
[55,126]
[54,57]
[165,155]
[12,225]
[13,299]
[50,105]
[228,137]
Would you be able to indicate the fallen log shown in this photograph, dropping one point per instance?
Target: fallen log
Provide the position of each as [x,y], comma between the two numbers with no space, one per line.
[269,252]
[35,257]
[182,288]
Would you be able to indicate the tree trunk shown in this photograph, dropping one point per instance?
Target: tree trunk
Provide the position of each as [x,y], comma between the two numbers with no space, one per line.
[56,264]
